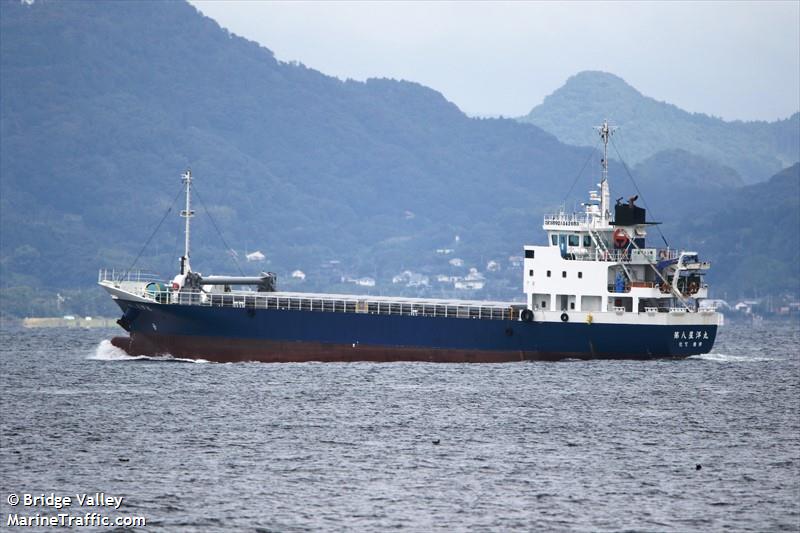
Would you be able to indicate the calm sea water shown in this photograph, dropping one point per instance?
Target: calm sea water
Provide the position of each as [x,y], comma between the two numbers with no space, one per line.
[578,446]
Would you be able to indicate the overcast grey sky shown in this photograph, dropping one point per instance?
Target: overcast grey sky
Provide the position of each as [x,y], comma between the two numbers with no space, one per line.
[737,60]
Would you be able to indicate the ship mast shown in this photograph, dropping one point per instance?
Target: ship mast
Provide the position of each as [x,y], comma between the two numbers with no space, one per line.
[605,132]
[186,179]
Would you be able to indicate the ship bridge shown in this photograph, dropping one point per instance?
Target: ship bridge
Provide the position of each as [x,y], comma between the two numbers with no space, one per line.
[598,261]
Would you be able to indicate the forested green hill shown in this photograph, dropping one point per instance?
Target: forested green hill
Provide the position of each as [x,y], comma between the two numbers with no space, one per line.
[753,235]
[756,150]
[104,104]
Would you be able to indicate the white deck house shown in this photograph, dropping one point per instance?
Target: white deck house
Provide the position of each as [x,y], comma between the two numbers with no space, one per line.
[595,264]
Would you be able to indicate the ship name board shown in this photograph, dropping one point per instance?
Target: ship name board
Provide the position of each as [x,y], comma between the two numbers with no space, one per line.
[685,336]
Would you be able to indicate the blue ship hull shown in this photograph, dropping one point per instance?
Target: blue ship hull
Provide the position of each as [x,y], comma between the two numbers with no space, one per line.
[226,334]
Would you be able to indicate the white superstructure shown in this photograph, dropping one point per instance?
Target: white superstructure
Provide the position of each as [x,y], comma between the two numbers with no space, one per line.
[597,267]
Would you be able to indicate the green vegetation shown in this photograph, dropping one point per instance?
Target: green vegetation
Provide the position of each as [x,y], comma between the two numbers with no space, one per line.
[757,150]
[753,236]
[104,104]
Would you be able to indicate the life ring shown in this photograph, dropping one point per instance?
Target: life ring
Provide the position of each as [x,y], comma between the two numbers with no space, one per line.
[620,238]
[564,317]
[694,287]
[665,288]
[662,254]
[526,315]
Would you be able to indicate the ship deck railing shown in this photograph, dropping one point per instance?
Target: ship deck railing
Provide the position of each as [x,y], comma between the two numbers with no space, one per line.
[331,304]
[127,276]
[143,285]
[643,256]
[344,305]
[564,219]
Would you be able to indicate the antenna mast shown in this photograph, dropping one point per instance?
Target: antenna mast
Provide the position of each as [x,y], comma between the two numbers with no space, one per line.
[605,132]
[186,179]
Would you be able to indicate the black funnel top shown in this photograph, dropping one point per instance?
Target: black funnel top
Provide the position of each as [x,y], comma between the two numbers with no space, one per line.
[628,214]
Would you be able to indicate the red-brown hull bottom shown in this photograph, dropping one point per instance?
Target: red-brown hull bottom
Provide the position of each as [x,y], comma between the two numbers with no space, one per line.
[241,350]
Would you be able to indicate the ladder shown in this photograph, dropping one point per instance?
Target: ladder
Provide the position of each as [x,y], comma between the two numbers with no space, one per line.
[600,244]
[672,286]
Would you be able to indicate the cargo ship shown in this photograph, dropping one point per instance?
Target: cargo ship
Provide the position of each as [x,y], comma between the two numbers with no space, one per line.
[595,289]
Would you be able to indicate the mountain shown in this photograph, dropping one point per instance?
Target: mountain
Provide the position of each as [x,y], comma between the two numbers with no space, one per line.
[104,104]
[679,170]
[756,150]
[752,234]
[676,183]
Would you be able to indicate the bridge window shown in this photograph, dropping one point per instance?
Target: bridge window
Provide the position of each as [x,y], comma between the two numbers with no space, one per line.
[548,273]
[572,305]
[574,240]
[587,241]
[580,275]
[554,239]
[530,273]
[564,274]
[528,254]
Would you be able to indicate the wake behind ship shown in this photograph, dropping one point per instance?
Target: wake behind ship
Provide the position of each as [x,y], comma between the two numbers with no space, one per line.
[595,289]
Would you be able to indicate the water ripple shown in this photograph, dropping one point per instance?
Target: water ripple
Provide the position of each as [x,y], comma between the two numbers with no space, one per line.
[574,446]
